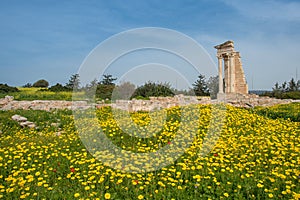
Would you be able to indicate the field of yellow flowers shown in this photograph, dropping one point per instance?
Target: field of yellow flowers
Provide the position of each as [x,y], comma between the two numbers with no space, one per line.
[255,157]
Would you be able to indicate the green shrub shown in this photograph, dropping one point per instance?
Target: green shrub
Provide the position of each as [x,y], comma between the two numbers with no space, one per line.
[4,89]
[284,111]
[59,88]
[151,89]
[283,95]
[104,91]
[142,98]
[41,83]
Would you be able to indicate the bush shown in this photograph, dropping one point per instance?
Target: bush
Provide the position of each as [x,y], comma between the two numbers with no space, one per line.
[41,83]
[153,90]
[27,85]
[142,98]
[59,88]
[104,91]
[283,95]
[4,89]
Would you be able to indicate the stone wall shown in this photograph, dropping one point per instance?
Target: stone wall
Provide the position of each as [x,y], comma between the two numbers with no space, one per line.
[155,103]
[240,79]
[8,103]
[251,100]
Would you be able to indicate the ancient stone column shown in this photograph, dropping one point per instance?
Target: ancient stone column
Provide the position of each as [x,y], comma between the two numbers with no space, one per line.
[220,59]
[228,84]
[235,80]
[232,72]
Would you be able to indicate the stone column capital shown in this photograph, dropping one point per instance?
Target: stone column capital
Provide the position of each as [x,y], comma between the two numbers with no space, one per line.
[219,56]
[232,54]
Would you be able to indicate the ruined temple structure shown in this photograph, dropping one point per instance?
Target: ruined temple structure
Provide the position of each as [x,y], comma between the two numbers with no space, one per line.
[234,78]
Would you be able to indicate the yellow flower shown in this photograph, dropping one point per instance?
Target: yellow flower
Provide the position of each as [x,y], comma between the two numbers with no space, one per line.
[296,195]
[107,196]
[87,187]
[271,195]
[226,194]
[76,195]
[260,185]
[140,197]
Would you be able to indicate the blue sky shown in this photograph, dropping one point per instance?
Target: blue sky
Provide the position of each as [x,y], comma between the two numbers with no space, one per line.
[50,39]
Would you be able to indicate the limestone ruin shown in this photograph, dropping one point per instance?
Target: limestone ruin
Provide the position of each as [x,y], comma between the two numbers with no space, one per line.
[155,103]
[234,78]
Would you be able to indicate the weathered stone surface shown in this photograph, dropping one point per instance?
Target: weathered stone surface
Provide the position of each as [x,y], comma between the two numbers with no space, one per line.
[42,105]
[251,100]
[19,118]
[234,77]
[27,124]
[23,121]
[6,100]
[155,103]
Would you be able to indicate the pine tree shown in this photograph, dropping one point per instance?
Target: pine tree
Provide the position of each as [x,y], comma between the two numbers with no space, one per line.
[200,86]
[292,85]
[74,82]
[108,79]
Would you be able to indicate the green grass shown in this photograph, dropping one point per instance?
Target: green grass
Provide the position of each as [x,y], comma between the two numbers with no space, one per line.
[34,94]
[285,111]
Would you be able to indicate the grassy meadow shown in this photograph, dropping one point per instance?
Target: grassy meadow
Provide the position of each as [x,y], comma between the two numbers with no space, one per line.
[257,156]
[35,94]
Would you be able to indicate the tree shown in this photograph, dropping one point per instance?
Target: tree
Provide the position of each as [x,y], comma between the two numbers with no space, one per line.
[292,85]
[151,89]
[288,90]
[74,82]
[106,87]
[284,87]
[104,91]
[27,85]
[276,88]
[90,89]
[4,88]
[124,91]
[58,88]
[213,86]
[108,79]
[200,86]
[41,83]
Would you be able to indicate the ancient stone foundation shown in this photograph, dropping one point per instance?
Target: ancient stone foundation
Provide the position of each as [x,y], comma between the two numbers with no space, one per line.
[155,103]
[8,103]
[251,100]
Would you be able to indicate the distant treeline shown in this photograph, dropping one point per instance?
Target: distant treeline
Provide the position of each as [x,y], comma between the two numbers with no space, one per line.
[287,90]
[107,89]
